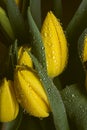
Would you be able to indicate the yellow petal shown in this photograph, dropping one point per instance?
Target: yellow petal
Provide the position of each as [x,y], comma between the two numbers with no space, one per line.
[55,45]
[31,99]
[62,41]
[85,50]
[8,105]
[24,58]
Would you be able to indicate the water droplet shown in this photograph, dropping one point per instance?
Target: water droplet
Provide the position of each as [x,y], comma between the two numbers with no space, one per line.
[80,107]
[39,72]
[45,34]
[40,118]
[44,79]
[53,52]
[22,95]
[83,110]
[40,41]
[49,56]
[55,61]
[18,100]
[54,57]
[49,44]
[49,89]
[70,100]
[24,111]
[73,95]
[40,79]
[42,48]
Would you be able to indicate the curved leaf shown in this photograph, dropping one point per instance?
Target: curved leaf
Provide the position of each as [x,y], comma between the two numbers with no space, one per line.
[54,97]
[37,43]
[16,20]
[75,100]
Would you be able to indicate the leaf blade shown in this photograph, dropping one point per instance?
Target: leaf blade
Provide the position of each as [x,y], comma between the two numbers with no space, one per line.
[54,97]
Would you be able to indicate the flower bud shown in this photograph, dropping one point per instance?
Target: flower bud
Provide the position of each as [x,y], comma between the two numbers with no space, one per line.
[23,57]
[8,105]
[30,92]
[55,45]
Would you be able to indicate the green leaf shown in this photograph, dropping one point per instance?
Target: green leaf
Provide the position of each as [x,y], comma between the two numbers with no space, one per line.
[78,22]
[54,97]
[4,22]
[12,59]
[75,100]
[74,71]
[37,43]
[81,44]
[25,4]
[16,20]
[36,11]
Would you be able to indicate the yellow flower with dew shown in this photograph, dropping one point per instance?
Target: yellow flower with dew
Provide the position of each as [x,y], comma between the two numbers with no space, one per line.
[9,107]
[55,45]
[30,92]
[23,57]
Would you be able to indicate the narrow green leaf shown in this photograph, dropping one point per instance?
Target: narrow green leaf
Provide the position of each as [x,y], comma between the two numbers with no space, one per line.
[4,21]
[12,59]
[54,97]
[75,100]
[36,11]
[74,71]
[37,43]
[78,22]
[16,20]
[25,4]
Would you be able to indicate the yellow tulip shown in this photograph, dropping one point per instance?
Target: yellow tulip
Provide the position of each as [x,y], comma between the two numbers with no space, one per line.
[30,92]
[8,105]
[23,57]
[55,45]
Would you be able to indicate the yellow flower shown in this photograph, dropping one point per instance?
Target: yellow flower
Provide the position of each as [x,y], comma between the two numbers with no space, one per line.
[30,92]
[55,45]
[23,57]
[8,105]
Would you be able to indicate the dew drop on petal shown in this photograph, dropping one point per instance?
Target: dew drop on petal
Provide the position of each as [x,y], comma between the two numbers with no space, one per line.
[49,44]
[45,34]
